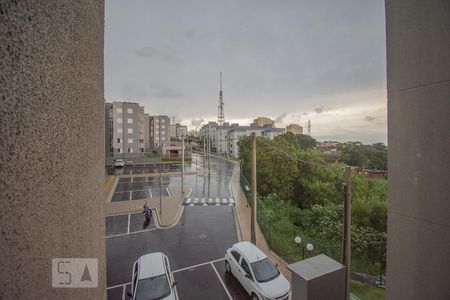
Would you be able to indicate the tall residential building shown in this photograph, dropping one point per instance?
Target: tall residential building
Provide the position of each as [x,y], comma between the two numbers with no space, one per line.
[159,131]
[147,133]
[294,128]
[262,121]
[125,129]
[180,130]
[224,138]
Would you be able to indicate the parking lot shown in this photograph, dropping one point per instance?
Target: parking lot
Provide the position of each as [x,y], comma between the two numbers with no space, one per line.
[141,187]
[195,248]
[147,168]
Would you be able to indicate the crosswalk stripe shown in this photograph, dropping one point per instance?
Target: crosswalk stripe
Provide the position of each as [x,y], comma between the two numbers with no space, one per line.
[203,201]
[224,200]
[210,200]
[188,200]
[217,200]
[195,200]
[191,204]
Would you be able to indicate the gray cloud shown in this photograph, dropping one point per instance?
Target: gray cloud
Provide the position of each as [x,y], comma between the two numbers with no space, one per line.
[197,122]
[168,54]
[272,61]
[319,109]
[370,119]
[164,92]
[281,118]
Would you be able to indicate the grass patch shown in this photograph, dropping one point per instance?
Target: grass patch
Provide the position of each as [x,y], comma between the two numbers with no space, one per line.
[149,154]
[176,159]
[366,292]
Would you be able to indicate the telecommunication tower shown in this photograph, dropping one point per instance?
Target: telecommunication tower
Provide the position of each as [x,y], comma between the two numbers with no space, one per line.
[309,127]
[220,113]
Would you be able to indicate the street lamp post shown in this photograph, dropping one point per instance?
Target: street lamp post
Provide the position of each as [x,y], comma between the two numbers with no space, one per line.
[308,247]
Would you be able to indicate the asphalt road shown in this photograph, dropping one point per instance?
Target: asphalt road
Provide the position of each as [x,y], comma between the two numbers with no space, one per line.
[195,247]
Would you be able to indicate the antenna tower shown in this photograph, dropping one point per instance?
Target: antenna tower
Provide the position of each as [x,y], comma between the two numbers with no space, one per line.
[309,127]
[220,113]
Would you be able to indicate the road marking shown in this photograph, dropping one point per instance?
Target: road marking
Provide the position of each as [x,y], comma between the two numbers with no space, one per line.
[191,204]
[130,195]
[119,285]
[150,193]
[188,201]
[133,232]
[198,265]
[204,204]
[224,200]
[123,292]
[195,201]
[210,200]
[129,217]
[221,281]
[203,201]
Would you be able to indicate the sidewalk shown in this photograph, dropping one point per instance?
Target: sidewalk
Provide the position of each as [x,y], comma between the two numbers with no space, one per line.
[171,207]
[244,215]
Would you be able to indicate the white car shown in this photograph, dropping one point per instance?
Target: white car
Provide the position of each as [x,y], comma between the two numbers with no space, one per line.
[256,272]
[152,278]
[119,163]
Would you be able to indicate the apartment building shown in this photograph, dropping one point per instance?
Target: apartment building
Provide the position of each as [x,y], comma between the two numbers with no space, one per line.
[294,128]
[263,121]
[124,129]
[159,133]
[180,130]
[224,138]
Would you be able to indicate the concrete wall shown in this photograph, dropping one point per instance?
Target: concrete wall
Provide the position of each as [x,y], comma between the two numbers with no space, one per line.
[52,144]
[418,64]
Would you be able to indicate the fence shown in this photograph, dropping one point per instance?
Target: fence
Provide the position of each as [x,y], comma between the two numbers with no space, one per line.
[368,260]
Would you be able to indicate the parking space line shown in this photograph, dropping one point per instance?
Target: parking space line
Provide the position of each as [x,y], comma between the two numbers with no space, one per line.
[133,232]
[123,292]
[221,281]
[119,285]
[199,265]
[150,191]
[129,217]
[131,192]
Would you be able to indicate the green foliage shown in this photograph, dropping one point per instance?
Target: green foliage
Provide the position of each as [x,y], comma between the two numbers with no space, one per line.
[301,140]
[304,199]
[366,156]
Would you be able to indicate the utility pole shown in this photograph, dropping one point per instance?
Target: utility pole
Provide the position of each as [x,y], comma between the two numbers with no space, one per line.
[209,154]
[204,154]
[182,164]
[253,211]
[347,235]
[160,183]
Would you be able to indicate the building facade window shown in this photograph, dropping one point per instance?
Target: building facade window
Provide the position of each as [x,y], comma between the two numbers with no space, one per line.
[118,140]
[130,150]
[119,130]
[130,141]
[119,110]
[119,120]
[118,150]
[130,110]
[130,130]
[130,121]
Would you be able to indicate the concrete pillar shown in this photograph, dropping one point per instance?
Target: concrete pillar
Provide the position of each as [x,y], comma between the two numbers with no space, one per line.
[51,144]
[418,74]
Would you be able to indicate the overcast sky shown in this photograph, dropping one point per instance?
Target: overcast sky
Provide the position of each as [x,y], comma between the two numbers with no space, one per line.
[291,60]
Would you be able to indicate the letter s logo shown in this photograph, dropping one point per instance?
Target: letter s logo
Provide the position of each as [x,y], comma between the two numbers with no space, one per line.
[69,278]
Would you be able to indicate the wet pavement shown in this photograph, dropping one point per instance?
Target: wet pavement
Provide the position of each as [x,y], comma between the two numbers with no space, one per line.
[153,168]
[195,246]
